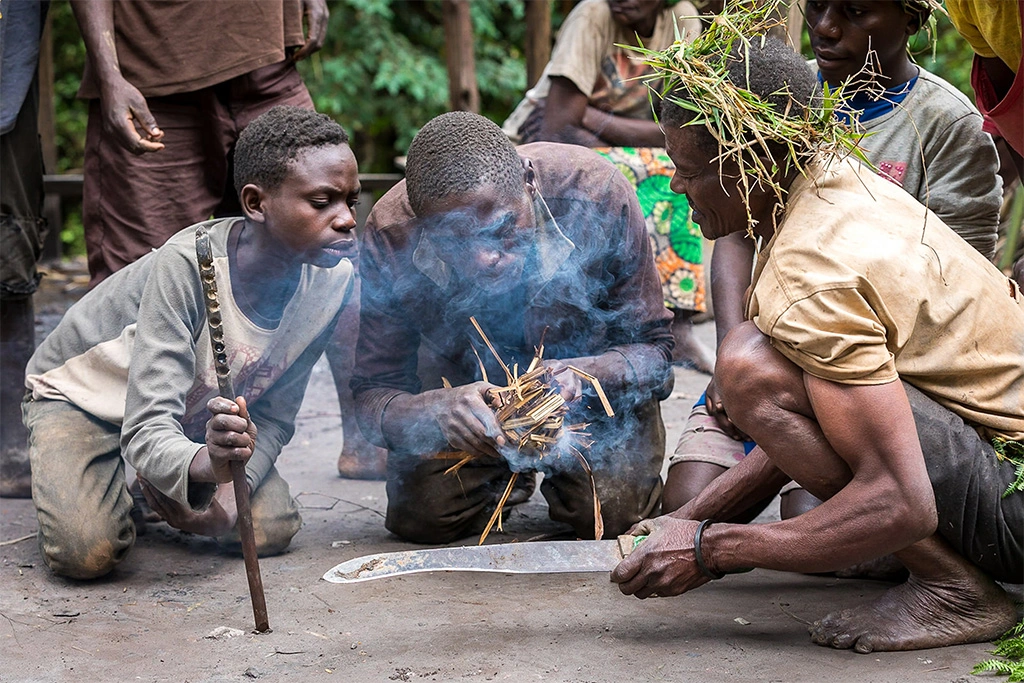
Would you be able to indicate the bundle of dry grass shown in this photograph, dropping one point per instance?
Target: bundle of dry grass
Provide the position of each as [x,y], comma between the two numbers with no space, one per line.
[531,412]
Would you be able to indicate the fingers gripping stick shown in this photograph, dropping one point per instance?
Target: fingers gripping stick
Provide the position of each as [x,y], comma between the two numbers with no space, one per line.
[208,276]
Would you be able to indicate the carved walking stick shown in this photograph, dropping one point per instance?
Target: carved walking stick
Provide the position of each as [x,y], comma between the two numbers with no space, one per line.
[208,276]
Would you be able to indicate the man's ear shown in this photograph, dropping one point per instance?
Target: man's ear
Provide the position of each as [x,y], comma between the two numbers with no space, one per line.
[251,198]
[529,177]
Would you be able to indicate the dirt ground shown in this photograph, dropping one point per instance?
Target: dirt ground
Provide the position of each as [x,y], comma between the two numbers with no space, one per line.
[156,617]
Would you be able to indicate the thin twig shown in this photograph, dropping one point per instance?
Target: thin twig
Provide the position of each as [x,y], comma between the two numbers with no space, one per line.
[19,540]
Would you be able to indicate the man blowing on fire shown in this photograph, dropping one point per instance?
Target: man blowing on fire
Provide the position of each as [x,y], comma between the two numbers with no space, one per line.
[128,374]
[544,243]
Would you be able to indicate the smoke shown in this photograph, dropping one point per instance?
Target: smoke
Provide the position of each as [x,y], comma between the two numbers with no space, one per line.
[572,290]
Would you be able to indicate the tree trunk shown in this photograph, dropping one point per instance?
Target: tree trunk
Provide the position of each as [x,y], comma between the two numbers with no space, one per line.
[463,93]
[538,39]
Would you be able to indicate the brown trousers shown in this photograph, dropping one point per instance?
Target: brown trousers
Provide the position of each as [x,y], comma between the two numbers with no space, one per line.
[133,204]
[427,506]
[82,499]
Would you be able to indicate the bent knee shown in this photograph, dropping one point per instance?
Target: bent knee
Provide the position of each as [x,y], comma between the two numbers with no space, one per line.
[748,368]
[86,555]
[272,535]
[417,527]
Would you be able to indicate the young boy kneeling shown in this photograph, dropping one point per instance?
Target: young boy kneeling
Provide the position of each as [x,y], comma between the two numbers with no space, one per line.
[129,371]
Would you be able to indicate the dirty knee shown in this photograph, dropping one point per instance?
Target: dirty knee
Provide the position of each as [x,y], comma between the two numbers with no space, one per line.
[86,556]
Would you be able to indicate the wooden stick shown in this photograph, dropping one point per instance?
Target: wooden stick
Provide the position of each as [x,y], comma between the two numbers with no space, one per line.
[501,504]
[208,276]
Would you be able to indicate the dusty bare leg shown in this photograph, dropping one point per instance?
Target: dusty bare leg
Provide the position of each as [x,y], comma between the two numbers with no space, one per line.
[946,601]
[17,342]
[688,349]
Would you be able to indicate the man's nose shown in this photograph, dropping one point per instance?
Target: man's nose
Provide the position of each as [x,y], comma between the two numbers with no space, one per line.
[345,219]
[827,25]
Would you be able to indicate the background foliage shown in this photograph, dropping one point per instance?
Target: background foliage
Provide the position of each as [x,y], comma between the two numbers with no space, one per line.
[382,73]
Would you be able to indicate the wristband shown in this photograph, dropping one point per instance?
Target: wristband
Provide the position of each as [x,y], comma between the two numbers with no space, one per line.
[697,537]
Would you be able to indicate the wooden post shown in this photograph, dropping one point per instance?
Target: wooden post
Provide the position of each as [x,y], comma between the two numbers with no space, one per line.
[538,39]
[463,93]
[48,138]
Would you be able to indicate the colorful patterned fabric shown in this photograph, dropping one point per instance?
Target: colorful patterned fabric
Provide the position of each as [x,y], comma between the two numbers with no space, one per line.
[676,240]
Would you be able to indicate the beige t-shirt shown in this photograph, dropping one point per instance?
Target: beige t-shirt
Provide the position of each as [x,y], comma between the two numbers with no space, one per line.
[863,285]
[586,53]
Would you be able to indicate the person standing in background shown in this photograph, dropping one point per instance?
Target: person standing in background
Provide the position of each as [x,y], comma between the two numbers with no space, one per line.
[22,227]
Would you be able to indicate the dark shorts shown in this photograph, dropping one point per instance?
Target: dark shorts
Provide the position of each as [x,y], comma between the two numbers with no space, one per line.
[22,228]
[969,481]
[133,204]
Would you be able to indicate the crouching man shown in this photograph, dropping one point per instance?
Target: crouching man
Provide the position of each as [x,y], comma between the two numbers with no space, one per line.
[543,237]
[128,373]
[882,360]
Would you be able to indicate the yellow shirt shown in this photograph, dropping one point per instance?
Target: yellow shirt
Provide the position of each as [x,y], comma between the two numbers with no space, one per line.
[992,27]
[863,285]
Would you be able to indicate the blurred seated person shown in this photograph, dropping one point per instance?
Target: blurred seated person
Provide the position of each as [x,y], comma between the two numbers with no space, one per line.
[590,94]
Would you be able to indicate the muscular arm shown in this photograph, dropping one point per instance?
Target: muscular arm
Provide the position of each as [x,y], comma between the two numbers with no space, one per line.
[124,109]
[563,116]
[620,131]
[887,505]
[731,264]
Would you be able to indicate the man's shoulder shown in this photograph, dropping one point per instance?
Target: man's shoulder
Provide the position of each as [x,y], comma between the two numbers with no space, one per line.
[574,172]
[938,93]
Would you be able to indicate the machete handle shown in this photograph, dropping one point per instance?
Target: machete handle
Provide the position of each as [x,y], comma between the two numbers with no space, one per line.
[627,544]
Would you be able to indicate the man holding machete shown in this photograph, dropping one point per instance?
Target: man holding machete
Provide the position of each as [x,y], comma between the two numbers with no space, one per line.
[128,373]
[881,367]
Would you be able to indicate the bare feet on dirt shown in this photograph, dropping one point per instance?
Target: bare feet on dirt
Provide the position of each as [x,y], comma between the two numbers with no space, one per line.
[917,615]
[369,463]
[886,568]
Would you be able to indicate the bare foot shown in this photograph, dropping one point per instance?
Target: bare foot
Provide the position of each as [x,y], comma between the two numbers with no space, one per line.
[886,568]
[917,615]
[370,463]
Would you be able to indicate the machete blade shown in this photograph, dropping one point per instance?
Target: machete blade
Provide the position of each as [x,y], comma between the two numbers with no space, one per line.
[546,557]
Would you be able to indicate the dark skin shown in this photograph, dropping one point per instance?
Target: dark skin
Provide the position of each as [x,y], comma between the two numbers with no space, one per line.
[856,448]
[845,35]
[308,219]
[489,255]
[126,116]
[566,116]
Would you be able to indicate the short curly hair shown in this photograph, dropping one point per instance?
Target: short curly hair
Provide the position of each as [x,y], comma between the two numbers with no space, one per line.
[457,152]
[770,69]
[275,138]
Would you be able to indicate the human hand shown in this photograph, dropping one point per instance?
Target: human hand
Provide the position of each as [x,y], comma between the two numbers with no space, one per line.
[216,520]
[570,386]
[467,421]
[713,403]
[230,435]
[316,14]
[664,564]
[126,117]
